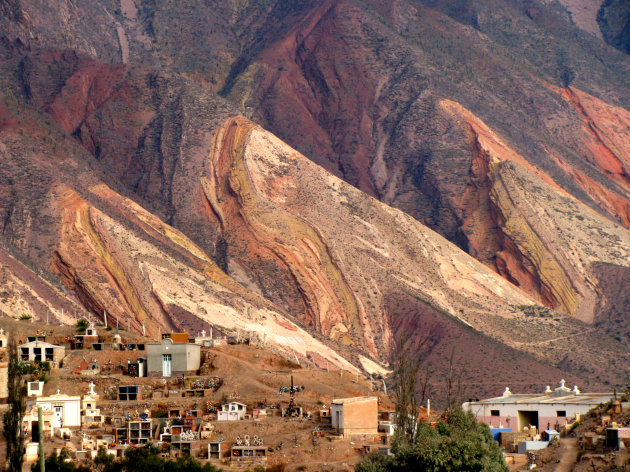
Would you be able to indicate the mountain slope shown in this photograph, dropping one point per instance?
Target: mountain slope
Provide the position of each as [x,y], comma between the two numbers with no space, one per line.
[133,172]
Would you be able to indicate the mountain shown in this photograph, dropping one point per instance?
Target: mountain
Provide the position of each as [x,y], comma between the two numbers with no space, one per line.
[327,177]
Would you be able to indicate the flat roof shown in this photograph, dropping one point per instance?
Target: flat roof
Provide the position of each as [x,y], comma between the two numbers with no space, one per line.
[340,401]
[40,344]
[520,398]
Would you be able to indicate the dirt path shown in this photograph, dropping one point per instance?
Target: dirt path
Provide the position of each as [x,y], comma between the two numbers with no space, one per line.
[567,453]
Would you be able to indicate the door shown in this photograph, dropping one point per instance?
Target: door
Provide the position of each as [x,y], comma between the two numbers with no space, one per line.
[167,362]
[58,421]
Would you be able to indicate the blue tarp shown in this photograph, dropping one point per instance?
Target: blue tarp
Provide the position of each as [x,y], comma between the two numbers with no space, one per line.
[497,431]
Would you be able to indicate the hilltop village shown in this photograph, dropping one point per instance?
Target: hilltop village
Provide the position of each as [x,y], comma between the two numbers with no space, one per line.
[232,404]
[238,406]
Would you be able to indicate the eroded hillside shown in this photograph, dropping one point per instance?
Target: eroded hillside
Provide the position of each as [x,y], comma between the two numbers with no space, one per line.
[473,194]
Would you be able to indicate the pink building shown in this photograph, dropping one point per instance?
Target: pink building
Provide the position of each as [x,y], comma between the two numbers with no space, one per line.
[550,409]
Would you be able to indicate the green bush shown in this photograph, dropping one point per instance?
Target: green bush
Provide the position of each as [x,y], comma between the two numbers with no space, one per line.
[81,325]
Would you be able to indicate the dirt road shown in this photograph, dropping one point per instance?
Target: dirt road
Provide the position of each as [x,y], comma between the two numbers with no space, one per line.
[568,454]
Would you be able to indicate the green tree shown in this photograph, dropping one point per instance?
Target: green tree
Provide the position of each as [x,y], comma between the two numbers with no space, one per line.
[13,417]
[103,461]
[81,325]
[58,463]
[146,459]
[459,444]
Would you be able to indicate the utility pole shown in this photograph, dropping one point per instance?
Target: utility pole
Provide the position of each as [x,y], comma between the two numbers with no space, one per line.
[40,425]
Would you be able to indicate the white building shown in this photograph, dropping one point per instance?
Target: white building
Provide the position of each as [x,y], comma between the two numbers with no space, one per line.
[42,351]
[66,409]
[547,410]
[232,411]
[35,388]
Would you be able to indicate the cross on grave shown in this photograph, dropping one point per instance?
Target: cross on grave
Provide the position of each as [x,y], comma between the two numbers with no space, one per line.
[92,385]
[1,331]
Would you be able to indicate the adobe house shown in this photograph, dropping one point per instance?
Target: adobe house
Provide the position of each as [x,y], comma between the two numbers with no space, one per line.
[545,410]
[174,356]
[356,415]
[42,351]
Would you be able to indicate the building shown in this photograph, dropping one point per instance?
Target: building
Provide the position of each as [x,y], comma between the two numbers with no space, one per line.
[547,410]
[174,356]
[356,415]
[35,388]
[137,368]
[86,340]
[139,431]
[248,457]
[30,422]
[42,351]
[66,409]
[129,393]
[218,450]
[4,381]
[232,411]
[4,341]
[90,414]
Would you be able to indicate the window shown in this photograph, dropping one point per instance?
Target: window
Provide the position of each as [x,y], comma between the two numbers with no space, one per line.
[561,413]
[495,413]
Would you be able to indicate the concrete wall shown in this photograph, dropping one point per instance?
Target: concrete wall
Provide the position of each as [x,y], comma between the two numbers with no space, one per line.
[358,417]
[186,358]
[525,446]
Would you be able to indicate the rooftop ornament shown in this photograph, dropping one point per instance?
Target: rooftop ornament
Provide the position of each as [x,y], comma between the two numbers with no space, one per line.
[507,392]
